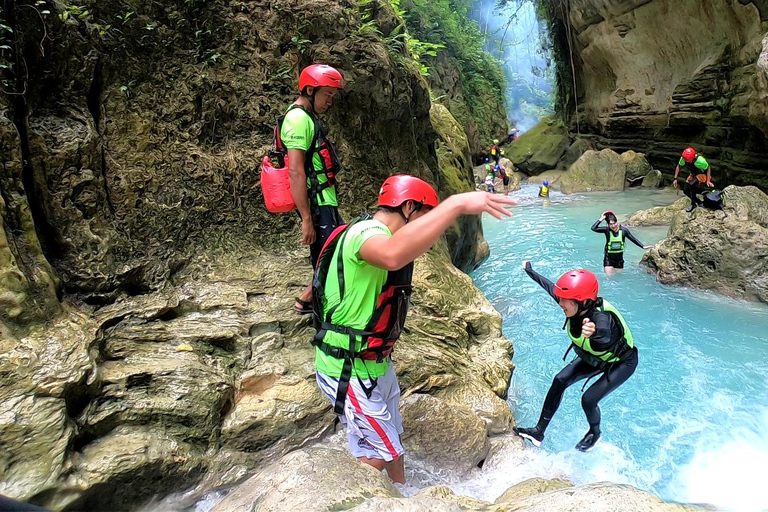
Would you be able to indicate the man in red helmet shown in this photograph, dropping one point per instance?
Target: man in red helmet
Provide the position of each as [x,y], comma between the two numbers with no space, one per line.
[699,172]
[361,294]
[603,344]
[312,163]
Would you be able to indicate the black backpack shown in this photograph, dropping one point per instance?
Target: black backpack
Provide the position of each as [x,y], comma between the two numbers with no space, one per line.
[714,200]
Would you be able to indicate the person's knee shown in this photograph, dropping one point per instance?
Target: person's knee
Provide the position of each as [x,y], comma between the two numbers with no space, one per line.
[559,383]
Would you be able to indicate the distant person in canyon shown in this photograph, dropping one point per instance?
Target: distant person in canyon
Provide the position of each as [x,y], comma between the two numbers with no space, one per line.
[490,182]
[603,344]
[361,295]
[513,135]
[544,189]
[616,236]
[495,151]
[699,172]
[502,172]
[312,163]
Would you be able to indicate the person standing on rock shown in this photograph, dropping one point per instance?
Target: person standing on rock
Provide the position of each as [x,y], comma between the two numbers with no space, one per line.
[699,172]
[615,241]
[361,294]
[496,151]
[603,344]
[312,163]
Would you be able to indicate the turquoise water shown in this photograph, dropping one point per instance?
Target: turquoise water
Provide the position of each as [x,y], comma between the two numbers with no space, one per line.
[691,424]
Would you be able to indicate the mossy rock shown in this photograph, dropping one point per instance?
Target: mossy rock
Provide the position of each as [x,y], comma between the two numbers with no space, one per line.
[540,148]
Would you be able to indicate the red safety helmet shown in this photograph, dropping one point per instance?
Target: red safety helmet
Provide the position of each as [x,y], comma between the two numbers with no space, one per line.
[578,284]
[609,212]
[400,188]
[320,75]
[689,155]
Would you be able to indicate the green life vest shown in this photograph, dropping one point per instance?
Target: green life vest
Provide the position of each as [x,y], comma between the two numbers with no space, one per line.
[615,242]
[583,347]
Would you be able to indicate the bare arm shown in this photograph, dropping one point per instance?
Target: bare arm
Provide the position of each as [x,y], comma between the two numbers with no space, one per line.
[677,172]
[298,179]
[416,237]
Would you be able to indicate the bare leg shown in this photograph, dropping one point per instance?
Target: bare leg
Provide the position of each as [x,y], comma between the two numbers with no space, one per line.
[608,270]
[395,469]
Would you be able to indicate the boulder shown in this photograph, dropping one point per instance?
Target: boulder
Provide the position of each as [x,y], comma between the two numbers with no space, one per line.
[658,215]
[541,147]
[725,251]
[531,487]
[574,152]
[444,435]
[316,478]
[637,165]
[595,170]
[598,497]
[475,394]
[653,179]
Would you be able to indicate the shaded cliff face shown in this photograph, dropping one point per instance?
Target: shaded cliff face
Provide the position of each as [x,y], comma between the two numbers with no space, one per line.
[657,75]
[137,140]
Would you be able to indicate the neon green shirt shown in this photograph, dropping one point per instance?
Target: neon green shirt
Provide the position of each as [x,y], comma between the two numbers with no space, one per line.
[296,133]
[700,163]
[362,284]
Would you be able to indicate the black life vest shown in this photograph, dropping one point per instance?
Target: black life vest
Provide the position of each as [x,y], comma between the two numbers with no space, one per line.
[383,329]
[320,145]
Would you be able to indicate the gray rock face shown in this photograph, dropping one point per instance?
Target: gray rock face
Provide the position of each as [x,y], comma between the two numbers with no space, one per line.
[658,215]
[725,251]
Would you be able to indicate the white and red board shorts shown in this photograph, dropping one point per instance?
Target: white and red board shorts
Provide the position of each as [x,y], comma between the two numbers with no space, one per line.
[373,424]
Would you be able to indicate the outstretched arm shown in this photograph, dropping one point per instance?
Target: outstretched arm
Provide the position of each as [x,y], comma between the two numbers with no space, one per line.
[631,237]
[415,238]
[543,281]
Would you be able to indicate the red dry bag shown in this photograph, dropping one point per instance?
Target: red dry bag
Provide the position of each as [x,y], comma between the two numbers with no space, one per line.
[276,186]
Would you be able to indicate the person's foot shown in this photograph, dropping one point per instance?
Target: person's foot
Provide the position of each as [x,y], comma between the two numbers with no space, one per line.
[534,435]
[302,307]
[588,441]
[690,208]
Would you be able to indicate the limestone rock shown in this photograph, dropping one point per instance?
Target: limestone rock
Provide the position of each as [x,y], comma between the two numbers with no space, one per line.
[658,215]
[725,251]
[712,94]
[653,179]
[126,466]
[494,411]
[637,165]
[309,479]
[540,148]
[445,435]
[598,497]
[574,152]
[425,504]
[532,487]
[595,170]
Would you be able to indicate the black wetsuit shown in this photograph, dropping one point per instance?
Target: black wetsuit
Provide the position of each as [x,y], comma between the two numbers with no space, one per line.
[612,375]
[615,260]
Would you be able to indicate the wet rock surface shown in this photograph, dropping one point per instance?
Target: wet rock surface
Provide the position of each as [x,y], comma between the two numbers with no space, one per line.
[725,251]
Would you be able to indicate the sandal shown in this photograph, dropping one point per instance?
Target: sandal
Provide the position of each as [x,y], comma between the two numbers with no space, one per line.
[306,307]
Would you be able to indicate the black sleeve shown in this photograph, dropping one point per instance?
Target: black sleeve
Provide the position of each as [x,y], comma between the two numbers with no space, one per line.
[630,236]
[599,229]
[543,281]
[606,331]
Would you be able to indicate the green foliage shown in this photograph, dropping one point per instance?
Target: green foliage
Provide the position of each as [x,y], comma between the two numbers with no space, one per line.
[445,24]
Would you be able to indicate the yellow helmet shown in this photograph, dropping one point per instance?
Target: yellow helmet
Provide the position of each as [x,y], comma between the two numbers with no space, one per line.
[495,141]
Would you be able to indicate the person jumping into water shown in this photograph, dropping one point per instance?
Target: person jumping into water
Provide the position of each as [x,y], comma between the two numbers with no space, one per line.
[603,344]
[615,241]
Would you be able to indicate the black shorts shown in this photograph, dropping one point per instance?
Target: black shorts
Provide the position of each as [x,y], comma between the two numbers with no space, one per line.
[614,260]
[505,180]
[325,219]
